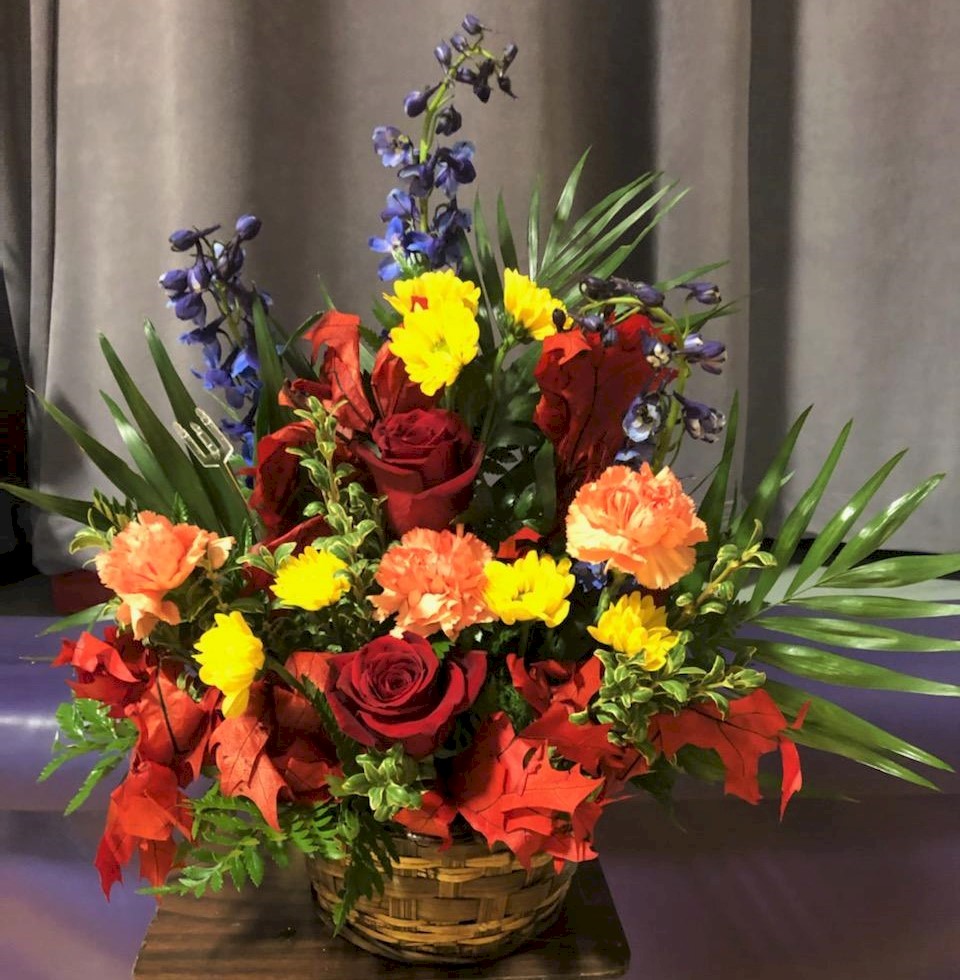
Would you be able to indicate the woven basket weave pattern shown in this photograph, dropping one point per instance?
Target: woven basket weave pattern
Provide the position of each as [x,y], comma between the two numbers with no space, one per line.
[460,905]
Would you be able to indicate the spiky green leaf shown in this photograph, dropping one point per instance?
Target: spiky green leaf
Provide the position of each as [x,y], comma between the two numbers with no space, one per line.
[796,523]
[893,573]
[75,510]
[831,668]
[861,636]
[877,607]
[837,526]
[179,467]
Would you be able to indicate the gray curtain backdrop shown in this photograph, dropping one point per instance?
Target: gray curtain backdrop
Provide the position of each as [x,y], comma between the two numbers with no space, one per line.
[820,138]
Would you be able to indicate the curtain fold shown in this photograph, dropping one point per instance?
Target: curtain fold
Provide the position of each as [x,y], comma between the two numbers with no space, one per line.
[819,158]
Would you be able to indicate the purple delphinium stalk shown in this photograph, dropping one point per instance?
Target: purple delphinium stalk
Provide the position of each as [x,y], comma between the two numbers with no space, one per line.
[228,347]
[418,236]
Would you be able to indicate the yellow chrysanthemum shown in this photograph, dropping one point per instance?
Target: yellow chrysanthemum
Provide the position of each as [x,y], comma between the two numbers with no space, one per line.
[230,656]
[533,587]
[635,626]
[530,305]
[433,289]
[312,580]
[435,343]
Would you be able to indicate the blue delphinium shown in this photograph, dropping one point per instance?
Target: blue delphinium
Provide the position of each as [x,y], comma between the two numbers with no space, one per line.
[227,341]
[701,421]
[420,237]
[641,425]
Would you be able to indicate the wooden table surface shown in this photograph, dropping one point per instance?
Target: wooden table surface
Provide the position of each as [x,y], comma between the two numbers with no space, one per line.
[273,933]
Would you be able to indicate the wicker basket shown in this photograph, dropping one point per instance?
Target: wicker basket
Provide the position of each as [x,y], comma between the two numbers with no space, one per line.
[465,904]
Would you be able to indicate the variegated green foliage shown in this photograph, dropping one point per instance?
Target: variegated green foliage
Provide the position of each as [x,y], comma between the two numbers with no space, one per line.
[827,586]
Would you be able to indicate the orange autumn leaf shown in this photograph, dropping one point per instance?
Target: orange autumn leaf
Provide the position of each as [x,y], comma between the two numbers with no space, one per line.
[754,726]
[245,768]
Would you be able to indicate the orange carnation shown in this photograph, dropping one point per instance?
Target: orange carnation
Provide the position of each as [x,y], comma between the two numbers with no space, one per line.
[641,523]
[433,581]
[150,557]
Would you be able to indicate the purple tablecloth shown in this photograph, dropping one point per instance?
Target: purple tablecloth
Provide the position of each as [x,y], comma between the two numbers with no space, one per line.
[839,890]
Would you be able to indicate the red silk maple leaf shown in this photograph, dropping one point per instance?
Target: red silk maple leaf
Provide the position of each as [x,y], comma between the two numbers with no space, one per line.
[506,789]
[433,818]
[754,726]
[174,729]
[336,336]
[245,767]
[144,810]
[586,744]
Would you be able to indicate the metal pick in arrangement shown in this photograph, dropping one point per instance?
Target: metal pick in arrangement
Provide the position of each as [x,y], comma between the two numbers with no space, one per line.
[209,446]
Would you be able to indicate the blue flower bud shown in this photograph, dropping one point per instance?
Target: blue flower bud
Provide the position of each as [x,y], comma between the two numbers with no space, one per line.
[509,53]
[471,24]
[449,121]
[198,276]
[505,85]
[466,75]
[175,281]
[482,91]
[184,239]
[460,43]
[443,54]
[247,226]
[706,293]
[190,306]
[415,103]
[648,295]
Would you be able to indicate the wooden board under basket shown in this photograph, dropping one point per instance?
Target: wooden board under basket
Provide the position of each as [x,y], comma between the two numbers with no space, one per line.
[273,933]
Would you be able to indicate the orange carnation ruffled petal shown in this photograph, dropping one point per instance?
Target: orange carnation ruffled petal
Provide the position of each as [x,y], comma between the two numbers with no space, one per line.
[641,523]
[433,582]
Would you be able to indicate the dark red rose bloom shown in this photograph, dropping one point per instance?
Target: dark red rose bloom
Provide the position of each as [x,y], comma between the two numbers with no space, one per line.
[585,391]
[396,689]
[115,670]
[548,682]
[280,486]
[426,466]
[393,391]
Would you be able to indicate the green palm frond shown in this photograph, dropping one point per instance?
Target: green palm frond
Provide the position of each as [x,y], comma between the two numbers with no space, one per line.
[826,644]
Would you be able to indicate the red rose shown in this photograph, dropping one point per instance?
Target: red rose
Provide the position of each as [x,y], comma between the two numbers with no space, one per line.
[586,388]
[279,484]
[115,670]
[426,467]
[398,690]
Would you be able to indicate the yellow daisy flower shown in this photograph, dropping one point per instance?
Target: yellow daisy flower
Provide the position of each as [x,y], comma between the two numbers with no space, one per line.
[635,626]
[436,342]
[530,305]
[432,289]
[311,580]
[230,656]
[533,587]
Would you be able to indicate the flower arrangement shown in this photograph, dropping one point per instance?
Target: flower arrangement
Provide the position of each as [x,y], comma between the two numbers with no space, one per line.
[443,574]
